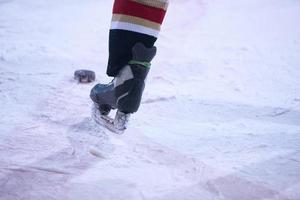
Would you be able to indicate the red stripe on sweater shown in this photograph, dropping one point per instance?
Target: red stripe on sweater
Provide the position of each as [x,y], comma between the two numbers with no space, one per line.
[128,7]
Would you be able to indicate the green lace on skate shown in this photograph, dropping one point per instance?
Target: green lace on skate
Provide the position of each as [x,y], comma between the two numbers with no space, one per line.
[135,62]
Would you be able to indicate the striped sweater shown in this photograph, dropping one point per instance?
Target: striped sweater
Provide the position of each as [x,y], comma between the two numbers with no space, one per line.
[133,21]
[143,16]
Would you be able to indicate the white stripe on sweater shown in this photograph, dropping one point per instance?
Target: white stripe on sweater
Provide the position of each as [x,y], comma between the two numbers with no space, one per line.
[134,28]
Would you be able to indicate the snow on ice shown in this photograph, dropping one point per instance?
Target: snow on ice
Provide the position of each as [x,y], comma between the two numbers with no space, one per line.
[220,117]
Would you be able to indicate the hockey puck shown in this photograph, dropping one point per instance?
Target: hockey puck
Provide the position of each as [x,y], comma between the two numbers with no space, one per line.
[84,76]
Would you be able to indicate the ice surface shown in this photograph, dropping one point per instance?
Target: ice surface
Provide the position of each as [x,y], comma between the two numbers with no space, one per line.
[220,117]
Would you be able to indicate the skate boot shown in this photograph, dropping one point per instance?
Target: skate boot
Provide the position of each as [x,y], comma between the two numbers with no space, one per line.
[125,91]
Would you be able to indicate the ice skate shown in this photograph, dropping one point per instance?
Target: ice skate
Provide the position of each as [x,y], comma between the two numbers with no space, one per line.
[125,91]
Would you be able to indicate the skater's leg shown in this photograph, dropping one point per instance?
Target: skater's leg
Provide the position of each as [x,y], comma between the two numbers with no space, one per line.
[133,21]
[134,30]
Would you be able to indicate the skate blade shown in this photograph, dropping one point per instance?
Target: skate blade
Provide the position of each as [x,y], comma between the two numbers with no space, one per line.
[107,121]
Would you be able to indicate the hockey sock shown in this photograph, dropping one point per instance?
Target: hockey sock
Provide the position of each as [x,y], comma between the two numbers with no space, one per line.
[133,21]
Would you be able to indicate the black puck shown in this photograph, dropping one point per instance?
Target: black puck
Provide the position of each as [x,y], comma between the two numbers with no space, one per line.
[84,76]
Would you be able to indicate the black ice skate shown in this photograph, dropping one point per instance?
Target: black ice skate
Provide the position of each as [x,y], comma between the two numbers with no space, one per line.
[125,91]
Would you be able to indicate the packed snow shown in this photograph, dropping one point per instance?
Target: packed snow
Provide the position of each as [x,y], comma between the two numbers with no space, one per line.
[220,117]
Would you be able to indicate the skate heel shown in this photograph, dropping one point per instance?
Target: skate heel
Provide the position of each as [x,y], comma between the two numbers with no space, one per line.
[131,100]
